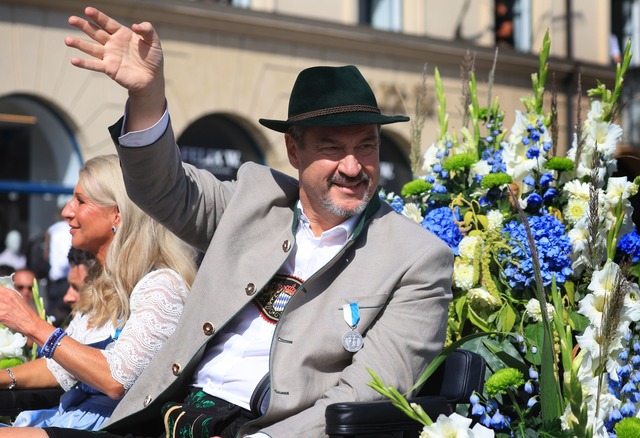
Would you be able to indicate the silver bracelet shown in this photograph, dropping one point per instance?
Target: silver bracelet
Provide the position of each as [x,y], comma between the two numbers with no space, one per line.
[13,379]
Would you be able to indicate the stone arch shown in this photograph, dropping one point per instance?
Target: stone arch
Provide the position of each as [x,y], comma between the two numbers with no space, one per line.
[220,143]
[39,168]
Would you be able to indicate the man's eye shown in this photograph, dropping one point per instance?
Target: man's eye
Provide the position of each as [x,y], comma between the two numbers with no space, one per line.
[367,148]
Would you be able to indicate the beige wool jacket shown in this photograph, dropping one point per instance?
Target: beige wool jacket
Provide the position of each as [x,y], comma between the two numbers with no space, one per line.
[398,273]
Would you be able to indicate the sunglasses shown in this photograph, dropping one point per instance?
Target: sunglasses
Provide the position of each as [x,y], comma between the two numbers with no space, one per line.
[20,287]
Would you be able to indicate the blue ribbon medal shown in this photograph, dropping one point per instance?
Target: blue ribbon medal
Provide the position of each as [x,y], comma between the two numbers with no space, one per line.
[352,340]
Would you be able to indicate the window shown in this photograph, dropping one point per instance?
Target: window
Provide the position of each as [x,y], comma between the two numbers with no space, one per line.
[245,4]
[625,26]
[513,24]
[381,14]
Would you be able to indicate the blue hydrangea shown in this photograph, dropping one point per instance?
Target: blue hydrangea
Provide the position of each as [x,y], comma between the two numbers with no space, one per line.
[630,245]
[440,222]
[553,247]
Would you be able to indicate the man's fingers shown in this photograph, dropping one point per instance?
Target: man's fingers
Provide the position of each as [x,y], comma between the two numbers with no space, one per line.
[88,64]
[105,22]
[146,32]
[93,31]
[91,49]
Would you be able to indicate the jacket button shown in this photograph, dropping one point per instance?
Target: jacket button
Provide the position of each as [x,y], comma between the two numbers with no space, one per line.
[147,401]
[250,289]
[286,245]
[207,328]
[175,369]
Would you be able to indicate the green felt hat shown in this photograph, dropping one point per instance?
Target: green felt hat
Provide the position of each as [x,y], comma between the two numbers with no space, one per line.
[331,96]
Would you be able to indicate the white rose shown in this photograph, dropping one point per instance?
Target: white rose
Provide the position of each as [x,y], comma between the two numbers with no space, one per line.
[11,344]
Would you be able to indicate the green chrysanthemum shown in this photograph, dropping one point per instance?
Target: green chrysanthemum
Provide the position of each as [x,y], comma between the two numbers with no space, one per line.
[495,180]
[459,162]
[628,428]
[9,362]
[416,187]
[502,380]
[559,163]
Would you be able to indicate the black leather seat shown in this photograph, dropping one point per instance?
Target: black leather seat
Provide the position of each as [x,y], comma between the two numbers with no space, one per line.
[452,383]
[14,401]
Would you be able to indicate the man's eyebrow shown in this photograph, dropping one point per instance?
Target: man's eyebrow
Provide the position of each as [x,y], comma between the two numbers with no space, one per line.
[334,140]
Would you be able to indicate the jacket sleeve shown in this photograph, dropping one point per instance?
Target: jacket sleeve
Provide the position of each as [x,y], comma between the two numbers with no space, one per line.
[187,200]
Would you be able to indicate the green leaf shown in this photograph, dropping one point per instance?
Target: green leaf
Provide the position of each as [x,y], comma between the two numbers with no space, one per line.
[507,318]
[477,320]
[534,334]
[508,355]
[468,218]
[461,307]
[578,322]
[435,363]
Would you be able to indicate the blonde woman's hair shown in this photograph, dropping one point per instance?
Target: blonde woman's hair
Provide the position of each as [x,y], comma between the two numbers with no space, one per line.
[139,246]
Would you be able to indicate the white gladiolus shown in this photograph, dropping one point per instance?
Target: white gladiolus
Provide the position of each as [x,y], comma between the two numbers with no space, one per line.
[412,211]
[455,426]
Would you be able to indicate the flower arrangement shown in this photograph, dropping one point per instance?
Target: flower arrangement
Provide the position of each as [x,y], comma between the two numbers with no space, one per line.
[12,345]
[545,276]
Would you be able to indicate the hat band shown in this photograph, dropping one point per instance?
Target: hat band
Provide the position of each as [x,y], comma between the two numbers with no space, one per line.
[334,110]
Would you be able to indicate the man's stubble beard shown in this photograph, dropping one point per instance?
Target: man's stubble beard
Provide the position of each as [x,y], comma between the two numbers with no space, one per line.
[336,210]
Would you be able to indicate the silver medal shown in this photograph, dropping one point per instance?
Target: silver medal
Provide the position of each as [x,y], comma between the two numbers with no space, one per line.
[352,341]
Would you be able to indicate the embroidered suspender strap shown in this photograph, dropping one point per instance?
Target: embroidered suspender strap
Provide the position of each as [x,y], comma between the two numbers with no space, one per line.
[52,343]
[259,394]
[202,415]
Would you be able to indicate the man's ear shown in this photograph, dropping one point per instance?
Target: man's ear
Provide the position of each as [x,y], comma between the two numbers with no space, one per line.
[292,150]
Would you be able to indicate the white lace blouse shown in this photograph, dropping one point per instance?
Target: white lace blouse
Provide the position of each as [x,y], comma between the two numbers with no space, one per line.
[156,304]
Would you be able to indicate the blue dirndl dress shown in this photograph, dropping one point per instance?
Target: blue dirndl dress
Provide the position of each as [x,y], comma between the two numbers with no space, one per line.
[82,407]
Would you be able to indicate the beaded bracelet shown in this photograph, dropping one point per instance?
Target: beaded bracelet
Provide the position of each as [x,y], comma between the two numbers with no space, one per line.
[12,377]
[52,343]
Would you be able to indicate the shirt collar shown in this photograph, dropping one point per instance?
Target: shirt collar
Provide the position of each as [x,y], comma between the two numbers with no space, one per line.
[341,231]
